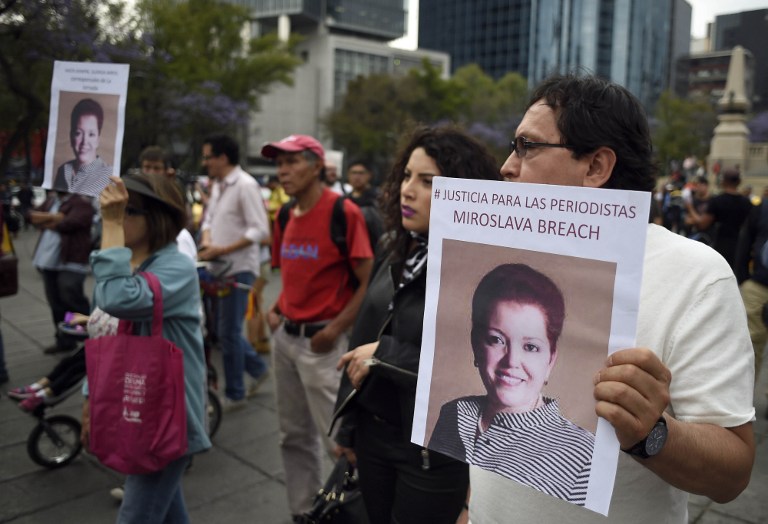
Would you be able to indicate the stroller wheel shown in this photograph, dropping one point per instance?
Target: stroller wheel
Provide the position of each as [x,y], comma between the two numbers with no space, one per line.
[55,441]
[214,412]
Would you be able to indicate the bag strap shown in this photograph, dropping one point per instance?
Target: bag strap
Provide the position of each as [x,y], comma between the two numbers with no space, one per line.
[125,327]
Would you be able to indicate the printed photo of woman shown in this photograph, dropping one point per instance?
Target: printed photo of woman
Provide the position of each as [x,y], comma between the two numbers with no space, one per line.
[87,173]
[515,430]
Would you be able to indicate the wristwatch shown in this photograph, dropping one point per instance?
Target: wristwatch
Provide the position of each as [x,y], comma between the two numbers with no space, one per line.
[652,444]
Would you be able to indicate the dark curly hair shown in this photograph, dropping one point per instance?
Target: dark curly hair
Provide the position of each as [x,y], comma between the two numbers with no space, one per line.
[456,154]
[592,113]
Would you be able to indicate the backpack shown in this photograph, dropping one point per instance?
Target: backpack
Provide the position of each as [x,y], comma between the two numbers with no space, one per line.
[373,223]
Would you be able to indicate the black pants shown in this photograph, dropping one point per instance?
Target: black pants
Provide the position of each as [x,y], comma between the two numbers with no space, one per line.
[64,291]
[400,485]
[68,372]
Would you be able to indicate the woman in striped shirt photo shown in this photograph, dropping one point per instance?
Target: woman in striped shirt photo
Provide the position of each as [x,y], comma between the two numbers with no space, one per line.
[514,430]
[87,173]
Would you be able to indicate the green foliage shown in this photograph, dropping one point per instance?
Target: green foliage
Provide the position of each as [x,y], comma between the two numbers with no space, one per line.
[203,75]
[683,127]
[379,110]
[32,36]
[192,72]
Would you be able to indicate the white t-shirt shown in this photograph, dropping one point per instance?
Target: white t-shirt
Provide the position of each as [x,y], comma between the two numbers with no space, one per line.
[186,244]
[692,316]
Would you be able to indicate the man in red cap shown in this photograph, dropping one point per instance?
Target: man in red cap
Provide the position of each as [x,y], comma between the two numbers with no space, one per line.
[323,286]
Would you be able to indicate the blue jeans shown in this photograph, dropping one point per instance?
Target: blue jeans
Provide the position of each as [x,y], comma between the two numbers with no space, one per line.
[155,497]
[238,354]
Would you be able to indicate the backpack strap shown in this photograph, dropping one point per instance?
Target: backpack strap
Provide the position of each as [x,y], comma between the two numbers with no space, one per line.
[339,226]
[284,214]
[338,223]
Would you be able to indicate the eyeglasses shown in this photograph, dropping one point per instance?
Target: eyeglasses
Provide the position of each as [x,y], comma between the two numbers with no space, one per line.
[134,211]
[522,145]
[207,157]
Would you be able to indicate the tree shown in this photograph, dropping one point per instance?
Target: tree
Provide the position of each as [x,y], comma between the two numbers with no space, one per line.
[758,127]
[380,109]
[32,35]
[202,74]
[683,127]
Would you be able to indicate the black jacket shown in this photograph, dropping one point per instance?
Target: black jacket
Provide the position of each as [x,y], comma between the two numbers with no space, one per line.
[394,316]
[754,234]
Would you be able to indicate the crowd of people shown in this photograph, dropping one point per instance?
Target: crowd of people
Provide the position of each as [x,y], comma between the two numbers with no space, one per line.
[346,328]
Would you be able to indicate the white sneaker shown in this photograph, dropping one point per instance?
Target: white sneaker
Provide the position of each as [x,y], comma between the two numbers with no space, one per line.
[253,384]
[228,405]
[117,493]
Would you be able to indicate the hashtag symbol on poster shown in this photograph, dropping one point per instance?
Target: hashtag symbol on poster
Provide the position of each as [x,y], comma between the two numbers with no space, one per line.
[437,194]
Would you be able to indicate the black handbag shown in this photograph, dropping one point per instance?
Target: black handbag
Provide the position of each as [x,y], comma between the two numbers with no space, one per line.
[340,500]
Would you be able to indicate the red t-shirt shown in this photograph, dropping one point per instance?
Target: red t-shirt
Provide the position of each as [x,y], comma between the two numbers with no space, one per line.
[317,280]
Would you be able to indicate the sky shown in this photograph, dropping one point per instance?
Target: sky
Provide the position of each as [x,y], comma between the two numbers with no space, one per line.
[704,11]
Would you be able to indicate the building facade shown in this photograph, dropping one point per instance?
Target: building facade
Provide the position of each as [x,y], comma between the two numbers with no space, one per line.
[703,76]
[633,42]
[748,29]
[340,41]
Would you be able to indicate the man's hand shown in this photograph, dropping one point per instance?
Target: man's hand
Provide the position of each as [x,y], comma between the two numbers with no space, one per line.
[357,368]
[324,340]
[340,450]
[273,318]
[210,252]
[632,391]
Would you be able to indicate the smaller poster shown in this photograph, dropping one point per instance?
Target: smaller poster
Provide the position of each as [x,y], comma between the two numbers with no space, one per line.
[85,126]
[529,288]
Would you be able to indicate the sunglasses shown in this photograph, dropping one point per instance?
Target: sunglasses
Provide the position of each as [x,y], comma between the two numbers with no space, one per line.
[134,211]
[522,145]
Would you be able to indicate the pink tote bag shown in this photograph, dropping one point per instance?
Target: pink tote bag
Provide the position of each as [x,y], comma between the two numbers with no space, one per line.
[136,394]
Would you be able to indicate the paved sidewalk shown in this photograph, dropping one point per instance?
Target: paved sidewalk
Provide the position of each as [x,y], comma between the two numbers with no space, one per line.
[239,480]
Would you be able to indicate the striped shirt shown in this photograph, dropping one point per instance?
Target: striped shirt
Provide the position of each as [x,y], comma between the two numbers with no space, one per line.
[540,448]
[89,179]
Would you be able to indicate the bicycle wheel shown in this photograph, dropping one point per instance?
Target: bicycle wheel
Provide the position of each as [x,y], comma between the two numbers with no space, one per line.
[55,441]
[214,413]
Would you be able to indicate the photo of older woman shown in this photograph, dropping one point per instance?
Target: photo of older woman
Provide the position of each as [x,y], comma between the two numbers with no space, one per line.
[87,173]
[514,430]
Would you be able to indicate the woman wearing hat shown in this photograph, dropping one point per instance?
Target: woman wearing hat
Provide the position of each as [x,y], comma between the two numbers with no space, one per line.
[141,216]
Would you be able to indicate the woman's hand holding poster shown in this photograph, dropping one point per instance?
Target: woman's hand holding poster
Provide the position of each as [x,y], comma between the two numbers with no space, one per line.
[529,288]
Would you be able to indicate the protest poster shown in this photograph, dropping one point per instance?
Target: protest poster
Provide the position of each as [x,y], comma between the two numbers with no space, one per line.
[496,364]
[85,126]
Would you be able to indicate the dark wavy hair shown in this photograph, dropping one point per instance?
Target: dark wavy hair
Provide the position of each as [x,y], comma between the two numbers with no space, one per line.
[592,113]
[456,154]
[522,284]
[86,106]
[166,214]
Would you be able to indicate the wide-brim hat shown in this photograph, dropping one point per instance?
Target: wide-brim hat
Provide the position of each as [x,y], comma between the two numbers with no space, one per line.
[136,185]
[293,144]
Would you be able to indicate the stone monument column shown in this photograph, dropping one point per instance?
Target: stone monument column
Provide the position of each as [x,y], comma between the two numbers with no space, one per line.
[731,139]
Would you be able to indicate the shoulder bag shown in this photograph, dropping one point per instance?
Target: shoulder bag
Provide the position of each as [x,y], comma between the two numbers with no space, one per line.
[136,395]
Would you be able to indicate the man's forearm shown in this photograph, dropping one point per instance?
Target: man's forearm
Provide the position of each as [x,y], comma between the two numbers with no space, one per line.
[241,243]
[706,459]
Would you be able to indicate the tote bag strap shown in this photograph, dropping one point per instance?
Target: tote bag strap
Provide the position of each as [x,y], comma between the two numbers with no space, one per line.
[126,326]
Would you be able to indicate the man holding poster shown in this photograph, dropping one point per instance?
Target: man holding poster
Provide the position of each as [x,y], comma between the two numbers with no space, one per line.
[681,400]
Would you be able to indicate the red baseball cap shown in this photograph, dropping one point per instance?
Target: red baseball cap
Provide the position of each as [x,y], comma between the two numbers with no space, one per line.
[293,144]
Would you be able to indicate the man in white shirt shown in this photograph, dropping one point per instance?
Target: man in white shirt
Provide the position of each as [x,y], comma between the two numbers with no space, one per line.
[234,226]
[681,401]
